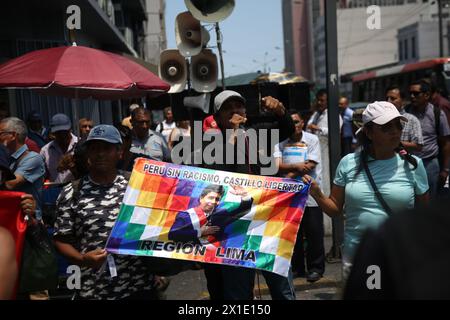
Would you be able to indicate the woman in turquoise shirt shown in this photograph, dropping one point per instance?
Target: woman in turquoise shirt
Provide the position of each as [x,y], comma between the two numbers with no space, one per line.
[400,178]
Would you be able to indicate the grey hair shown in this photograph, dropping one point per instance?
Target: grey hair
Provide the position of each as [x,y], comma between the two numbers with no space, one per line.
[16,125]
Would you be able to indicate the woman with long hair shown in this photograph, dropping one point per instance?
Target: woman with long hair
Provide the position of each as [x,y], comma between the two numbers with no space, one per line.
[378,180]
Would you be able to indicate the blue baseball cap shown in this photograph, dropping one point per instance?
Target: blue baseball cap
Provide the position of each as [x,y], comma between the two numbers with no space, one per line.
[105,132]
[4,163]
[60,122]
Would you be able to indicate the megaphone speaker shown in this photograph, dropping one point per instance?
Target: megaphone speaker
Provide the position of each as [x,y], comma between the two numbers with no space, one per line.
[190,36]
[173,70]
[204,71]
[199,102]
[210,11]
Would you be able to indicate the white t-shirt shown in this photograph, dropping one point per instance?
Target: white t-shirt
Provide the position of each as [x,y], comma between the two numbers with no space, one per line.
[166,129]
[310,150]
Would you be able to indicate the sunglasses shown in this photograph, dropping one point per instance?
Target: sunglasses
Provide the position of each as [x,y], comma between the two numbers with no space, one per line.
[296,121]
[415,93]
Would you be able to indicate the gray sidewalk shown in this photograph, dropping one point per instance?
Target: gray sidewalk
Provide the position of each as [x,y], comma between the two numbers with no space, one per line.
[191,285]
[327,288]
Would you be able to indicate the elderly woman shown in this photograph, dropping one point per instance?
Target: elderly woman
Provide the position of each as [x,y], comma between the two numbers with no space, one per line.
[376,181]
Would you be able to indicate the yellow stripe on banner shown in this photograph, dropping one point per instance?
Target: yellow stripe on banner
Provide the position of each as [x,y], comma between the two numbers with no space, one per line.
[285,249]
[158,217]
[164,235]
[262,212]
[146,199]
[136,180]
[273,229]
[256,195]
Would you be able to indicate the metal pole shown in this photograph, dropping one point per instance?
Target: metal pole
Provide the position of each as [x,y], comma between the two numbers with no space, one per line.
[219,46]
[75,114]
[441,44]
[333,113]
[188,69]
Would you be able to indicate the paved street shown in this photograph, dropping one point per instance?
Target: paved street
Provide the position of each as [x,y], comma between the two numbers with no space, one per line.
[191,285]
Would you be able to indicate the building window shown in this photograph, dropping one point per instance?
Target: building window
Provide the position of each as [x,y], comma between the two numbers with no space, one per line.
[400,50]
[406,49]
[413,47]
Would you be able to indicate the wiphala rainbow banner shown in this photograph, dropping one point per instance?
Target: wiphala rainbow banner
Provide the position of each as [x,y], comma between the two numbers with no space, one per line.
[203,215]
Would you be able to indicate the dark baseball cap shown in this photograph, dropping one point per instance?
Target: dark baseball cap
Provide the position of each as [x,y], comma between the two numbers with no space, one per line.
[60,122]
[34,116]
[105,132]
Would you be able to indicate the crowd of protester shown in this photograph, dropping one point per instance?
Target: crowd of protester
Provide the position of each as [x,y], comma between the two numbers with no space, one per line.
[395,156]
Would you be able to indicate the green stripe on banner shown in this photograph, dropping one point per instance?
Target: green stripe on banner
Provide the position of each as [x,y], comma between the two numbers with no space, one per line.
[241,226]
[125,213]
[230,206]
[265,260]
[144,252]
[134,231]
[252,243]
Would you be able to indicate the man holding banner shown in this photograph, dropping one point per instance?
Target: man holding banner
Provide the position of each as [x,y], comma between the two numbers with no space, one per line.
[238,283]
[297,156]
[259,232]
[86,213]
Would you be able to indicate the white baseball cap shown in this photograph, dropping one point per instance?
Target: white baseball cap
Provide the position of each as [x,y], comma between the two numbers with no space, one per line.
[380,112]
[220,99]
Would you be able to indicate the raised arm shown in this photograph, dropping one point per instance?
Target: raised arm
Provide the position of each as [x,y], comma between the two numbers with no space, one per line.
[331,205]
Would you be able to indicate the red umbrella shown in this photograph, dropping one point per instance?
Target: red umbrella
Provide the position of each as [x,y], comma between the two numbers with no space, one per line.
[80,72]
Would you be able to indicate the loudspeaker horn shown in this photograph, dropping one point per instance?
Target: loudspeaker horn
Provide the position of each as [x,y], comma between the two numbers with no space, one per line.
[203,71]
[199,102]
[210,11]
[190,36]
[173,70]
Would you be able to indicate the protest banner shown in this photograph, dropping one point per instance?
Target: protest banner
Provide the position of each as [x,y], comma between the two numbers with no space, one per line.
[204,215]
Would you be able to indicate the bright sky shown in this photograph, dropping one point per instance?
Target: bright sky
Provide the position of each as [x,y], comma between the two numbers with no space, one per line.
[253,31]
